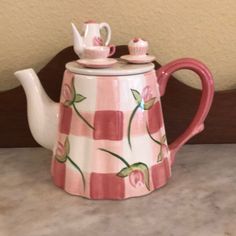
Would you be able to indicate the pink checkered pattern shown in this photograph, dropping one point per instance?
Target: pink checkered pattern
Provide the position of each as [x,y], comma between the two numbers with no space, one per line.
[108,106]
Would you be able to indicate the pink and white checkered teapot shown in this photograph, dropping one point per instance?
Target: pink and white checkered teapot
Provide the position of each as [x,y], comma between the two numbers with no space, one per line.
[107,132]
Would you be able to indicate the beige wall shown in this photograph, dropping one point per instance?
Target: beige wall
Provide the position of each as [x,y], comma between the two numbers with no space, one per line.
[33,31]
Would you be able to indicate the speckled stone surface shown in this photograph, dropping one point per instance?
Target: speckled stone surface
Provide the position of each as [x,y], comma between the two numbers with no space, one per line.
[199,200]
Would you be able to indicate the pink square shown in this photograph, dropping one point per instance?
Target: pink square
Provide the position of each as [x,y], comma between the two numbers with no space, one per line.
[167,167]
[58,173]
[108,125]
[79,127]
[159,175]
[155,118]
[106,186]
[65,119]
[74,182]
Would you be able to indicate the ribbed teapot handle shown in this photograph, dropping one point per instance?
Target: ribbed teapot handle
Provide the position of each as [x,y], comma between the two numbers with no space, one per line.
[197,124]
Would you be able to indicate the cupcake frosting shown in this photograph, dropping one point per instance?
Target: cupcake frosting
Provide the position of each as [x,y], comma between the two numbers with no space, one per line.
[137,42]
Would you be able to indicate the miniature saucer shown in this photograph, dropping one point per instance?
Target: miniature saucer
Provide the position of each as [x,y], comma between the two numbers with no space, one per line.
[97,63]
[138,59]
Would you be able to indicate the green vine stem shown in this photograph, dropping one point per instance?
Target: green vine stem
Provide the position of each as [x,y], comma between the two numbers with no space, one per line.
[82,118]
[74,164]
[126,171]
[152,137]
[129,125]
[116,155]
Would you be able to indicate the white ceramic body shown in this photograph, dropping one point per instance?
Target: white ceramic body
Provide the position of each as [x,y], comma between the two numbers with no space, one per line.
[92,32]
[98,52]
[41,110]
[91,36]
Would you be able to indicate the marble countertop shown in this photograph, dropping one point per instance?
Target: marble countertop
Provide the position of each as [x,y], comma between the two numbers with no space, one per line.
[199,200]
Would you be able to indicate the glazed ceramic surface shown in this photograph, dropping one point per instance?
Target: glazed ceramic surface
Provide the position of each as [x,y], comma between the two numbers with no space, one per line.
[99,52]
[138,59]
[121,68]
[97,63]
[107,133]
[90,37]
[111,141]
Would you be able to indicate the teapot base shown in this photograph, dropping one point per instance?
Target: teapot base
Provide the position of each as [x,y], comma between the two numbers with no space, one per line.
[109,186]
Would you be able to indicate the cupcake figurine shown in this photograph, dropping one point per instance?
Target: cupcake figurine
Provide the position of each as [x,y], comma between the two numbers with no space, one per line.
[138,47]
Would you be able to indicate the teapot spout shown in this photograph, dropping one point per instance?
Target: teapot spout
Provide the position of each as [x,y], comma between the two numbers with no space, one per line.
[42,111]
[77,40]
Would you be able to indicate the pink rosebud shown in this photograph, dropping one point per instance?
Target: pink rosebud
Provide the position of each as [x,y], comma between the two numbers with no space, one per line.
[97,41]
[164,150]
[60,149]
[67,93]
[147,93]
[136,178]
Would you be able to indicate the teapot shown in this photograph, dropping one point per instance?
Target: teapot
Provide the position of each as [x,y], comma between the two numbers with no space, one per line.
[107,132]
[91,36]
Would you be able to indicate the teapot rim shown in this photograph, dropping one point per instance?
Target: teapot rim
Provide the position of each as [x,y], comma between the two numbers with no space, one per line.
[118,69]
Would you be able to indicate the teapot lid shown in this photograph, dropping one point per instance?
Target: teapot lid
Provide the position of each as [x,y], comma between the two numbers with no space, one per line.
[120,68]
[90,22]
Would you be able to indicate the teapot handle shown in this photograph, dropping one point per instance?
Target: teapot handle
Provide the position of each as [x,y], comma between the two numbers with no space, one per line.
[197,124]
[108,31]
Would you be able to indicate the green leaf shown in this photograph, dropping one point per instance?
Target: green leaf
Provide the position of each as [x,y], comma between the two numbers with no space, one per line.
[156,141]
[136,166]
[67,146]
[144,169]
[125,172]
[149,103]
[79,98]
[68,103]
[163,139]
[129,125]
[61,159]
[137,96]
[159,157]
[78,168]
[64,157]
[73,87]
[115,155]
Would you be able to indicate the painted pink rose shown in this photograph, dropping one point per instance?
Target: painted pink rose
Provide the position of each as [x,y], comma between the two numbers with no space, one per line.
[164,150]
[97,41]
[145,101]
[147,93]
[62,155]
[67,93]
[70,98]
[136,178]
[62,151]
[138,172]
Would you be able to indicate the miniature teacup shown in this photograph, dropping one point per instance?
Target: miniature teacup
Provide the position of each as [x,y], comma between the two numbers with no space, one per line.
[138,47]
[99,52]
